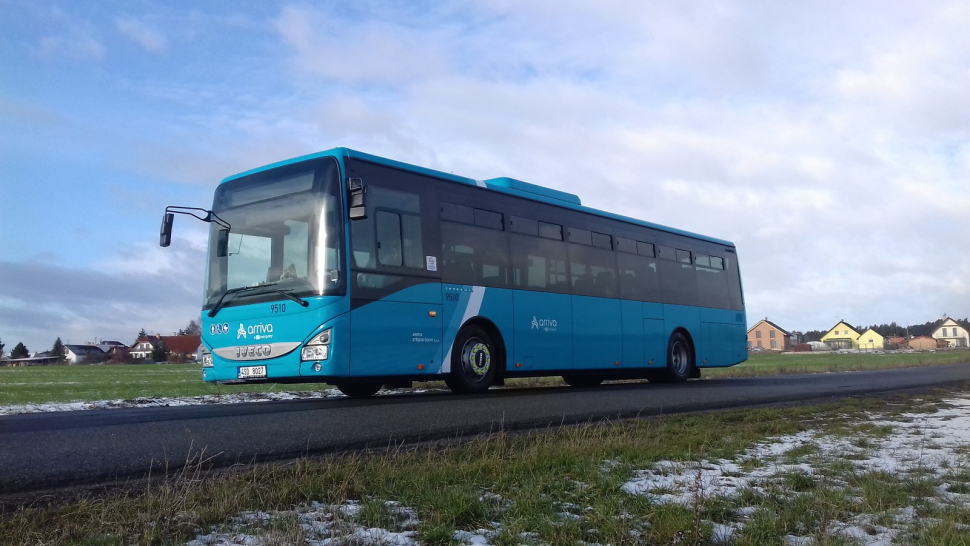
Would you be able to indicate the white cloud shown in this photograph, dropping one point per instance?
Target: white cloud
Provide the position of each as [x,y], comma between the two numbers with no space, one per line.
[380,53]
[75,45]
[831,164]
[150,39]
[143,286]
[829,140]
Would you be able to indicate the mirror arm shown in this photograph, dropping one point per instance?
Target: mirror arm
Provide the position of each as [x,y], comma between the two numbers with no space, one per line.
[209,215]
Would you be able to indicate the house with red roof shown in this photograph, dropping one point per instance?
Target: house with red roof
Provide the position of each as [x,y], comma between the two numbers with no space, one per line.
[178,348]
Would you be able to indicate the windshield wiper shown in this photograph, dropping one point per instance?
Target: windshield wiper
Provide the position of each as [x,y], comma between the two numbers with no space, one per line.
[215,308]
[297,299]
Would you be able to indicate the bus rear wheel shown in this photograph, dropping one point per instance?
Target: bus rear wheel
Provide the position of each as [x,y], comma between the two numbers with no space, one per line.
[680,358]
[582,380]
[474,361]
[359,390]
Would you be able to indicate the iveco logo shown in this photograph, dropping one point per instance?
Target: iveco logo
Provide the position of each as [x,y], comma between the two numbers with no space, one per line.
[251,351]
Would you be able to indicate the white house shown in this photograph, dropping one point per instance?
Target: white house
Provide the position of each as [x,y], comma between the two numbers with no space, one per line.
[81,354]
[952,333]
[142,349]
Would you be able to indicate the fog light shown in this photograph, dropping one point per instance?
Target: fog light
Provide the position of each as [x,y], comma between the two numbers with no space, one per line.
[315,352]
[317,367]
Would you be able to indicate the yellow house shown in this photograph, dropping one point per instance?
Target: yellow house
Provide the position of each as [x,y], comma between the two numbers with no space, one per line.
[870,340]
[842,336]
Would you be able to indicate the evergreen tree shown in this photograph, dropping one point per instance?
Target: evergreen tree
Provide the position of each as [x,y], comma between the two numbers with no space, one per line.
[58,348]
[159,353]
[20,351]
[142,333]
[1,348]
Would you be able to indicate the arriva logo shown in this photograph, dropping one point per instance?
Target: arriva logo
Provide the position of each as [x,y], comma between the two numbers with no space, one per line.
[255,329]
[545,324]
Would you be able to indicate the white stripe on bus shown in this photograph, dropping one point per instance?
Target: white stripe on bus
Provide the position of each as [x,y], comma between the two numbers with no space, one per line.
[472,309]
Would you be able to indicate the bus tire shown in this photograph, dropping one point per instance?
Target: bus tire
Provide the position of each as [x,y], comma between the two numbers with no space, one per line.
[359,390]
[582,380]
[680,358]
[474,361]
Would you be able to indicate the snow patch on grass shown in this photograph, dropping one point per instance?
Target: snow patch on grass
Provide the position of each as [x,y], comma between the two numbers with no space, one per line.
[162,401]
[931,447]
[319,524]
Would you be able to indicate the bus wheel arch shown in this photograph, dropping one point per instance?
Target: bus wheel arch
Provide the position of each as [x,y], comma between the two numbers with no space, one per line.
[478,339]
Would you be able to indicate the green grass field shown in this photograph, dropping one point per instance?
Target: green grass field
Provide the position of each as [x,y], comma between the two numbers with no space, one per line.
[40,384]
[767,363]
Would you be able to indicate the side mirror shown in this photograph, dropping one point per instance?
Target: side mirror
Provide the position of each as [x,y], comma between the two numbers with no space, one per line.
[358,211]
[222,243]
[165,235]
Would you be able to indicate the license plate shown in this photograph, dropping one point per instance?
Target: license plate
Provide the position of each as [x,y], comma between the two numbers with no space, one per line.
[250,372]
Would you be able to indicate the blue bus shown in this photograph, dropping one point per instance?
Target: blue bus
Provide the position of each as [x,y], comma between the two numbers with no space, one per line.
[351,269]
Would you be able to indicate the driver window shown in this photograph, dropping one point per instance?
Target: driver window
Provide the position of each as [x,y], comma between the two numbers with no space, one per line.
[295,250]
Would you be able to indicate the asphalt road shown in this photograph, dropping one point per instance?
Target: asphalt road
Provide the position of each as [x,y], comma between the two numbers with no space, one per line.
[40,451]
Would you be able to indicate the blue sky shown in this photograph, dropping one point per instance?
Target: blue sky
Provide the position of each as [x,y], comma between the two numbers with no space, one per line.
[831,142]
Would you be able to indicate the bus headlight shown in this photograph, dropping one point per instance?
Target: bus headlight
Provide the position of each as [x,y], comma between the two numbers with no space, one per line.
[206,358]
[317,348]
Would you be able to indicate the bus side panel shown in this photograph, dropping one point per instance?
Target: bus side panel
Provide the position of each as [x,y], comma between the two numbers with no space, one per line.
[597,333]
[463,302]
[497,307]
[543,330]
[681,316]
[459,302]
[633,345]
[654,335]
[720,338]
[396,337]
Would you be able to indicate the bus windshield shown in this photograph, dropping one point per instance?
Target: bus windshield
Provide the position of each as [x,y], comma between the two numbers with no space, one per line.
[285,235]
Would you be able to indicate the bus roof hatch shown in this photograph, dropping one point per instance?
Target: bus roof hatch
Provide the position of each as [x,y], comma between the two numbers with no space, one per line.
[549,193]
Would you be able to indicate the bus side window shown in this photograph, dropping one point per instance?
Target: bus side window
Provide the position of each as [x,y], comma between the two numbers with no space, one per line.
[411,238]
[712,285]
[389,247]
[639,279]
[474,256]
[734,282]
[391,234]
[593,271]
[540,264]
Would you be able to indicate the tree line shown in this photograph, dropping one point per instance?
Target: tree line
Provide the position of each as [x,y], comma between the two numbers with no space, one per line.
[160,354]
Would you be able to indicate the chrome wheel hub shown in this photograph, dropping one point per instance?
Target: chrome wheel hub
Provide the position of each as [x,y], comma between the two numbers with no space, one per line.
[679,358]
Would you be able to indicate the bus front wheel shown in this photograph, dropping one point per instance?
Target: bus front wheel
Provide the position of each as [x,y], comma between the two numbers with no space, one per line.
[474,361]
[680,358]
[359,390]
